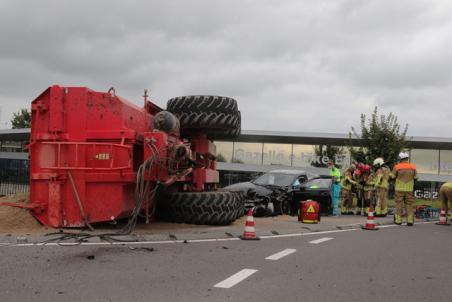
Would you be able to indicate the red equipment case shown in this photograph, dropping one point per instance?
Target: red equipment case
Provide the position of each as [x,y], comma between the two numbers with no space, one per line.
[309,212]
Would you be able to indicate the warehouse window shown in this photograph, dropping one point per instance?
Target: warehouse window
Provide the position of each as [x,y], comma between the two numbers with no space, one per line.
[224,151]
[445,162]
[277,154]
[425,160]
[248,153]
[304,155]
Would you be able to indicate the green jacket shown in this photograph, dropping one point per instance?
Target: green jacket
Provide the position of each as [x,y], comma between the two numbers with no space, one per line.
[336,174]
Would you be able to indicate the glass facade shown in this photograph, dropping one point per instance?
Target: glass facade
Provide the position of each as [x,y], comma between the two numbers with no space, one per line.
[224,151]
[445,164]
[426,160]
[277,154]
[12,146]
[303,155]
[248,153]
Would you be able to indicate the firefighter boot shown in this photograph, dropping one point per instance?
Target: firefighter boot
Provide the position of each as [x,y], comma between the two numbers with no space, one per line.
[384,212]
[397,219]
[410,220]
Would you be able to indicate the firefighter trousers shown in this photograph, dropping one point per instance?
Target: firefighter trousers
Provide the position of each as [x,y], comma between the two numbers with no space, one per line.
[404,199]
[346,201]
[381,207]
[445,195]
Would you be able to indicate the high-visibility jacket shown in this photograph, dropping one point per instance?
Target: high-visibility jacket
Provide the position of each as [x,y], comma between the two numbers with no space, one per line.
[369,182]
[405,175]
[382,178]
[336,174]
[347,180]
[447,184]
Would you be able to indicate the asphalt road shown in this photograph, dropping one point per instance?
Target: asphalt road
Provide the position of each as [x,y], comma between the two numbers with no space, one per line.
[391,264]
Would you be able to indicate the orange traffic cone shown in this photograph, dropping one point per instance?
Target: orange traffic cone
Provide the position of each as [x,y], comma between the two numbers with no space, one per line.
[443,218]
[249,233]
[370,223]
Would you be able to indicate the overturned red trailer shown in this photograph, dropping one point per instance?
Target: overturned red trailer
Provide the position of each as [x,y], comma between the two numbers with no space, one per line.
[95,157]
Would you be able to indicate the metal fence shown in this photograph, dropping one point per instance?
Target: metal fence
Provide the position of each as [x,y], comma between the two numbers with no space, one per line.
[14,176]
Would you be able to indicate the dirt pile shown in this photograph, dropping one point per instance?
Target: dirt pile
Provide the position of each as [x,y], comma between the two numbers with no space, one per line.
[17,220]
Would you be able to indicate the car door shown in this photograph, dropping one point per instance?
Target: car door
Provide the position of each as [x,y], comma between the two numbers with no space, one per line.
[317,189]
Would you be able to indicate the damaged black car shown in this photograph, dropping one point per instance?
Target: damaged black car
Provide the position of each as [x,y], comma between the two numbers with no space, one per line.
[270,194]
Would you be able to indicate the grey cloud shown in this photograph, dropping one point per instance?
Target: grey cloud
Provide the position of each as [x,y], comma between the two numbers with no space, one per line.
[292,65]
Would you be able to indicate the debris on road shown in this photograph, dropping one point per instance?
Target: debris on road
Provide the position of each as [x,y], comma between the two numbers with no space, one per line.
[14,219]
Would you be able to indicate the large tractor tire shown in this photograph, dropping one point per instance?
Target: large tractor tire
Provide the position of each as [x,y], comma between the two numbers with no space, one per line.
[235,132]
[240,204]
[216,116]
[208,208]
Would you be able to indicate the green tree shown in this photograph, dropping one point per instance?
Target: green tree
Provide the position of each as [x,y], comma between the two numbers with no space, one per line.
[380,137]
[21,119]
[221,158]
[325,152]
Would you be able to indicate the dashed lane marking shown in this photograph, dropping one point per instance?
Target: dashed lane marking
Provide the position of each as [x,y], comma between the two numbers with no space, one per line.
[236,278]
[317,241]
[281,254]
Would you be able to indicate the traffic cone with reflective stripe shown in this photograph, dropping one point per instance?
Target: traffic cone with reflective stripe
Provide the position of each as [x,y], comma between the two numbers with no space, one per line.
[249,233]
[370,223]
[443,218]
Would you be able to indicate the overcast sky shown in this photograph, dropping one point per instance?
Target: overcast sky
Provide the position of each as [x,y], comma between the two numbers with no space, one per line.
[292,65]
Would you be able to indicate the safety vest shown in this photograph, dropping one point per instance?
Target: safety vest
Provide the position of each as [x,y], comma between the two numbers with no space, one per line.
[405,174]
[336,174]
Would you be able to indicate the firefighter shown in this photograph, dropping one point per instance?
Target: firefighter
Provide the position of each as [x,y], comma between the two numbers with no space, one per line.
[381,187]
[445,195]
[335,173]
[358,178]
[405,175]
[368,188]
[346,190]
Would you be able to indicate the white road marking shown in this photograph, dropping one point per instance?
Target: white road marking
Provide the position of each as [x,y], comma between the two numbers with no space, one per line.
[236,278]
[320,240]
[281,254]
[195,240]
[350,224]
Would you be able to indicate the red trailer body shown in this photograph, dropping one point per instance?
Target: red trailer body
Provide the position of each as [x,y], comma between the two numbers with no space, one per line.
[94,137]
